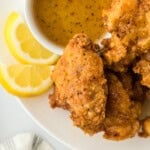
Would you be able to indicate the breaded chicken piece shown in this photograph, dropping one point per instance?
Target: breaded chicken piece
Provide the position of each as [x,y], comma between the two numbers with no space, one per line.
[119,21]
[80,85]
[120,11]
[117,59]
[143,68]
[121,113]
[129,24]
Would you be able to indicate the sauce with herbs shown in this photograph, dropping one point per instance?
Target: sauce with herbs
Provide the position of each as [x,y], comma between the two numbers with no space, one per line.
[61,19]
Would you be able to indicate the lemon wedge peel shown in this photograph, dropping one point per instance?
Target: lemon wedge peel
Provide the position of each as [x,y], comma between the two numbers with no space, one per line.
[12,23]
[11,86]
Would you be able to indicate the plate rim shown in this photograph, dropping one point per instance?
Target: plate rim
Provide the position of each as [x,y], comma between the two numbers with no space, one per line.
[18,99]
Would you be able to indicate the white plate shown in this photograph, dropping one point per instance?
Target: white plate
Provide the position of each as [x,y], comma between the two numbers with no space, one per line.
[56,122]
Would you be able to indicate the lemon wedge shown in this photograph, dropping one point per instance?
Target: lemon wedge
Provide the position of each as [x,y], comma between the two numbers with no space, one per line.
[22,44]
[26,80]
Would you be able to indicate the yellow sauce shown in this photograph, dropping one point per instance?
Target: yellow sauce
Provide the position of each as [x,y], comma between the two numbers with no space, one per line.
[61,19]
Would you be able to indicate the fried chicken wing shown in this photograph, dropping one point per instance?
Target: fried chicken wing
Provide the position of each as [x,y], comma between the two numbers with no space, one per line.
[121,112]
[129,24]
[120,23]
[80,85]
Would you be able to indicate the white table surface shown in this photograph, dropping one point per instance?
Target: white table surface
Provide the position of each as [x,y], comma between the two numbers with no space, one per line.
[14,120]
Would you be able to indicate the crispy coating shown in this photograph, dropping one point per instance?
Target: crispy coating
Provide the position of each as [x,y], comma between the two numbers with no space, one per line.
[129,23]
[145,127]
[143,68]
[121,113]
[143,20]
[119,21]
[80,85]
[120,11]
[116,47]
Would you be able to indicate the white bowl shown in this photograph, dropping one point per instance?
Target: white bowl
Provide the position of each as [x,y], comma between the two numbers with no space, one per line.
[40,37]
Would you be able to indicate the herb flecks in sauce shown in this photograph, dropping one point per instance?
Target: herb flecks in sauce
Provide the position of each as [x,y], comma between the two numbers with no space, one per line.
[61,19]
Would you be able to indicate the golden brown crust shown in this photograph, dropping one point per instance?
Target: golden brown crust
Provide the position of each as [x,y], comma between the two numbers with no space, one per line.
[80,85]
[143,20]
[120,11]
[121,113]
[116,51]
[129,26]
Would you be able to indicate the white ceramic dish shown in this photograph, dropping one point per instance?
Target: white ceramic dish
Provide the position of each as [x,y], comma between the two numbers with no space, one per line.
[29,17]
[56,122]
